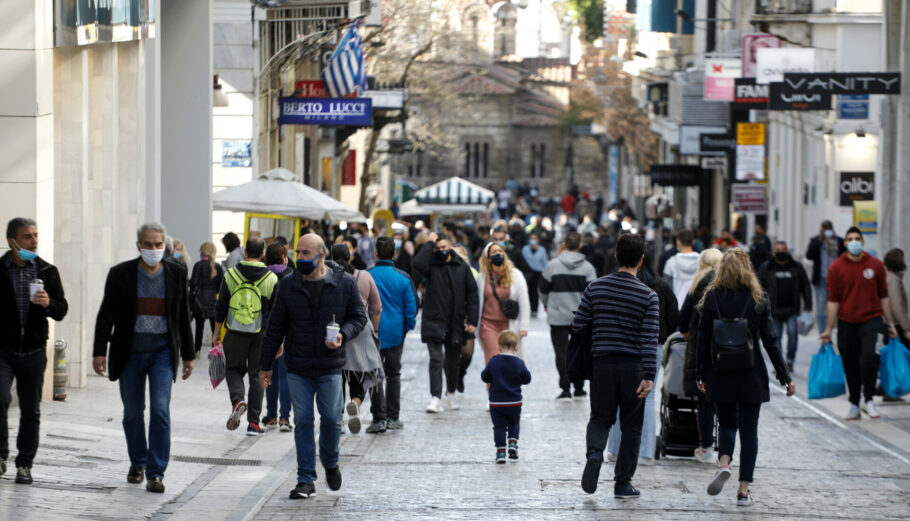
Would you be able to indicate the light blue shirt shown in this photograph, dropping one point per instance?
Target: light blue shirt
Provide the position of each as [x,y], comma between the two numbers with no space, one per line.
[536,259]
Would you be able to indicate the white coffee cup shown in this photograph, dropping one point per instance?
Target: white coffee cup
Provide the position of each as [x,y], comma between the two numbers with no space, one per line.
[34,287]
[331,332]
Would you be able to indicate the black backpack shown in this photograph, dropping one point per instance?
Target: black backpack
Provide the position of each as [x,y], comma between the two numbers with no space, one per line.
[732,347]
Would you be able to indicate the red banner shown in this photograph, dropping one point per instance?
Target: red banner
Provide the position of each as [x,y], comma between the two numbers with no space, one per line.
[349,169]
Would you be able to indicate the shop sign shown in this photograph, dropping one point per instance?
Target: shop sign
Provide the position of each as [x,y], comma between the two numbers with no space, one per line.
[865,216]
[748,198]
[750,162]
[750,133]
[751,44]
[311,89]
[236,154]
[357,112]
[749,95]
[676,175]
[781,98]
[844,82]
[349,169]
[714,163]
[856,186]
[720,77]
[774,63]
[853,106]
[717,142]
[690,139]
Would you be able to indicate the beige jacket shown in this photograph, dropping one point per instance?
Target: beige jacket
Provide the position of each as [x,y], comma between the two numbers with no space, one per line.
[898,295]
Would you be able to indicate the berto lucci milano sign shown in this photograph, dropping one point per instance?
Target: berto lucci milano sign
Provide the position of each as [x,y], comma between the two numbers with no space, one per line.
[355,112]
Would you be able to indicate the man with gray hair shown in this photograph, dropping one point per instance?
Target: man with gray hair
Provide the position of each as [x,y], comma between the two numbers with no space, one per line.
[145,318]
[30,293]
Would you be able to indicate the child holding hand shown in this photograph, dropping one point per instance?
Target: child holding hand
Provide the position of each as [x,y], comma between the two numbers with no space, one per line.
[506,373]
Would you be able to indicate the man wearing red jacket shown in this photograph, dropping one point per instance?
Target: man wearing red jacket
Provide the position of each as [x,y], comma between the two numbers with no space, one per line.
[857,299]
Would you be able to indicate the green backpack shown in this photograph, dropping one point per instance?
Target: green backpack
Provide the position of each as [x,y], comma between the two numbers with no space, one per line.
[245,304]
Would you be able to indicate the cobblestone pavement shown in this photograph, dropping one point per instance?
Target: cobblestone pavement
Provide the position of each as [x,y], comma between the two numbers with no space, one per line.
[811,465]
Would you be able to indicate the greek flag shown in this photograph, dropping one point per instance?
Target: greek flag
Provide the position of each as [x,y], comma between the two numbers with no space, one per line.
[345,72]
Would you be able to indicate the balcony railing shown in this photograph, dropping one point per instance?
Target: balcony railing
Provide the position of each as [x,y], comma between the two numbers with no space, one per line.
[783,7]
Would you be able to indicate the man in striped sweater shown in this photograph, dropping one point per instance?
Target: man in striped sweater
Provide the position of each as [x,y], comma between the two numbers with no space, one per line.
[623,315]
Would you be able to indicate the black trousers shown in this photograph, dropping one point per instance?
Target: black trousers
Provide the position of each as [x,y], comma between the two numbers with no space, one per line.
[705,421]
[506,424]
[613,387]
[559,335]
[200,322]
[386,397]
[451,362]
[856,343]
[28,370]
[241,358]
[533,278]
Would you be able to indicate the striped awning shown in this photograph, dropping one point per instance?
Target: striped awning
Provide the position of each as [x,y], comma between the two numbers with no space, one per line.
[455,191]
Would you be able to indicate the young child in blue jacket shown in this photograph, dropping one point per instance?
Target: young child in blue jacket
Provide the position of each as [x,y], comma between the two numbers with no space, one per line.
[506,373]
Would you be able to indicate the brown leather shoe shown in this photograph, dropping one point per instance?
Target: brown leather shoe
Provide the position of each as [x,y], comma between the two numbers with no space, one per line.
[136,474]
[155,485]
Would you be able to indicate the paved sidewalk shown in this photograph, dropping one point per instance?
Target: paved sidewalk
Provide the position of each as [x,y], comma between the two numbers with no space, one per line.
[811,465]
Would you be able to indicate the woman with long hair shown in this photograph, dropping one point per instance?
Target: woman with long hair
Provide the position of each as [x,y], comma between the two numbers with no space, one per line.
[508,283]
[689,317]
[363,365]
[737,391]
[205,280]
[895,266]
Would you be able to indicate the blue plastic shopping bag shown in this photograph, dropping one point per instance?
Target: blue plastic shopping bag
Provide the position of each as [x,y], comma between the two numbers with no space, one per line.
[894,370]
[826,374]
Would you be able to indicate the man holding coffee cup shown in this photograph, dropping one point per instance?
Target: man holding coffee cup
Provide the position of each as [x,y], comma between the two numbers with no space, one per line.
[30,293]
[305,310]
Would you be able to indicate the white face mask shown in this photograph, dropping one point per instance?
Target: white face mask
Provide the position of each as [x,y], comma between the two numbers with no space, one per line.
[829,234]
[152,257]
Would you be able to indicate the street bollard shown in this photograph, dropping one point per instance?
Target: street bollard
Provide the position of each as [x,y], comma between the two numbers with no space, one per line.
[59,370]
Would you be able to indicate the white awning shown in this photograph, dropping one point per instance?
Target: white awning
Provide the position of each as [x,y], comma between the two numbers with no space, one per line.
[468,196]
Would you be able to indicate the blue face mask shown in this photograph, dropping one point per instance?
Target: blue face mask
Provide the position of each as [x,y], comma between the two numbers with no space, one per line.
[855,248]
[533,242]
[307,266]
[177,254]
[498,259]
[26,255]
[397,243]
[502,244]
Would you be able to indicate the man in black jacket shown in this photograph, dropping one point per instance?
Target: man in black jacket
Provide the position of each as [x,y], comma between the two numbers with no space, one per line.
[305,305]
[824,249]
[23,337]
[785,281]
[450,309]
[145,318]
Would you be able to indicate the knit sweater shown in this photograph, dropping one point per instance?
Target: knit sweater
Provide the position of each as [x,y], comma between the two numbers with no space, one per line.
[624,316]
[506,374]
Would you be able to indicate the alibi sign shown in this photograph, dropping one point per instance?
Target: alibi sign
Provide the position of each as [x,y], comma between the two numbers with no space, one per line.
[781,98]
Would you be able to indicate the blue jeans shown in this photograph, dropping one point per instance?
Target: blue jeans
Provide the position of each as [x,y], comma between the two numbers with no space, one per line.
[278,389]
[821,304]
[158,369]
[792,334]
[647,448]
[327,391]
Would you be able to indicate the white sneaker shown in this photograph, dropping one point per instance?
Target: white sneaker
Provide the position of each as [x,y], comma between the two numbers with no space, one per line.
[452,401]
[611,457]
[705,456]
[647,462]
[435,406]
[717,483]
[869,408]
[854,413]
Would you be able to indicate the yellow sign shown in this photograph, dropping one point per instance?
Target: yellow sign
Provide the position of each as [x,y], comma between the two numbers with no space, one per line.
[382,219]
[865,216]
[750,133]
[326,174]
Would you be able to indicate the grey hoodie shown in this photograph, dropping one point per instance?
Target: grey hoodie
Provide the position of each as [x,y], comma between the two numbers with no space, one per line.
[679,273]
[562,284]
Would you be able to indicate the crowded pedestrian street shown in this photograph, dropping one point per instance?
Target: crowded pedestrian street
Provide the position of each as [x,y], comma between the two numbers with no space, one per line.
[812,464]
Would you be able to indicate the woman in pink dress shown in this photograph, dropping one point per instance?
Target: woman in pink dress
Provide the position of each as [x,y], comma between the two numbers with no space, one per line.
[509,284]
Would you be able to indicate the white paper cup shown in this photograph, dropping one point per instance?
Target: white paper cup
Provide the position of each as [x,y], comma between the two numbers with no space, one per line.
[34,287]
[331,332]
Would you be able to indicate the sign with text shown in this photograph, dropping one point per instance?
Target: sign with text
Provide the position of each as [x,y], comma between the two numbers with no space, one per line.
[750,162]
[856,186]
[844,82]
[310,89]
[853,106]
[714,163]
[749,198]
[690,139]
[865,216]
[751,44]
[749,95]
[774,63]
[357,112]
[676,175]
[781,98]
[750,133]
[236,154]
[718,142]
[720,75]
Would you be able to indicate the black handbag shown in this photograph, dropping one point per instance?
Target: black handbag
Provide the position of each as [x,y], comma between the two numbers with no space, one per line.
[579,358]
[508,306]
[732,347]
[197,305]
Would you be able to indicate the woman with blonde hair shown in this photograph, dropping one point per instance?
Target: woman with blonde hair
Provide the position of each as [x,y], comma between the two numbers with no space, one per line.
[689,316]
[204,283]
[508,284]
[733,375]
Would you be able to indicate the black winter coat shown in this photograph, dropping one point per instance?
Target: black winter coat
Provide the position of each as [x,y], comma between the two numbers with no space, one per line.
[205,286]
[689,317]
[814,254]
[450,299]
[36,330]
[669,308]
[786,304]
[300,324]
[748,385]
[117,315]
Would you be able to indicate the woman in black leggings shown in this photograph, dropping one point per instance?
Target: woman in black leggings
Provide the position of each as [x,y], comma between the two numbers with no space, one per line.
[204,283]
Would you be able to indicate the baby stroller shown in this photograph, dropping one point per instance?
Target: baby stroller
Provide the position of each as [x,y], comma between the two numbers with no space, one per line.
[678,426]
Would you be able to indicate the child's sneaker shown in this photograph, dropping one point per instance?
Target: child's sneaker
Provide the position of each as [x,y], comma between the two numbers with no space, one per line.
[500,456]
[513,449]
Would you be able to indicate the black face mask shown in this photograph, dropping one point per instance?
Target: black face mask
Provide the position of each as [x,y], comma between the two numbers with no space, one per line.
[782,256]
[441,255]
[498,259]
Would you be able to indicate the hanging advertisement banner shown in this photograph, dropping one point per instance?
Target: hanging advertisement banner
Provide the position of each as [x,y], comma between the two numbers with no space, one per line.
[749,198]
[717,142]
[690,139]
[720,76]
[751,44]
[357,112]
[843,82]
[853,106]
[865,216]
[856,186]
[774,63]
[750,162]
[749,95]
[781,98]
[750,133]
